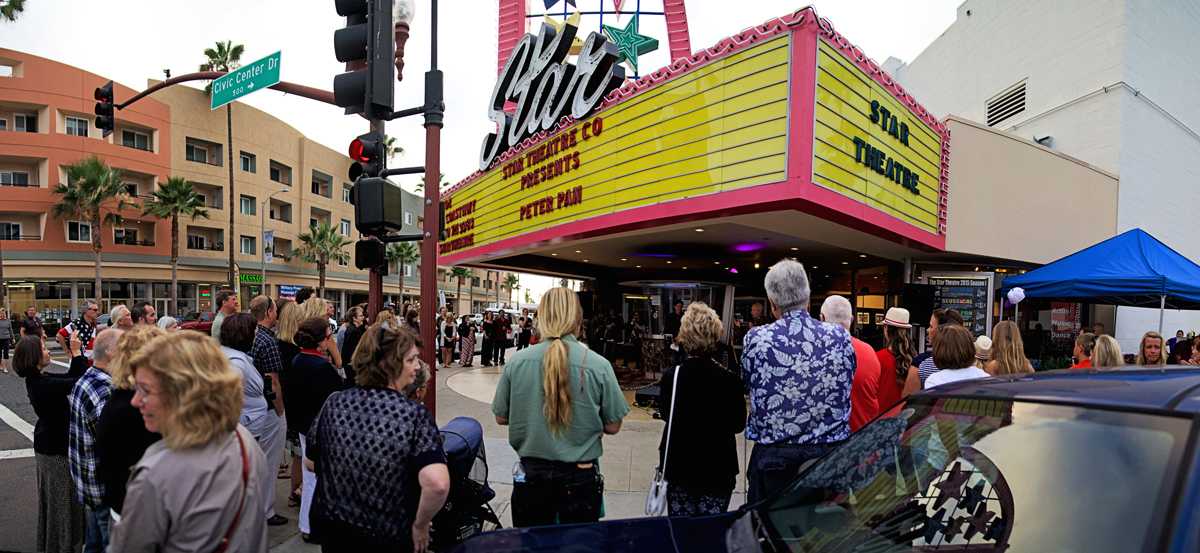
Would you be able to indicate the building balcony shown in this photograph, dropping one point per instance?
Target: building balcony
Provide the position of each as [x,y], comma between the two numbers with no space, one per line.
[205,239]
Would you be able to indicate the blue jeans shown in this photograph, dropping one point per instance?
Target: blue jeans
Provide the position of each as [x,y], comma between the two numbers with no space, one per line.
[95,538]
[772,467]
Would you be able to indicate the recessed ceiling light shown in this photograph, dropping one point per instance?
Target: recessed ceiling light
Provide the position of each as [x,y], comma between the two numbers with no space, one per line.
[577,251]
[814,266]
[862,255]
[623,259]
[554,254]
[587,261]
[716,262]
[699,230]
[637,266]
[685,268]
[845,263]
[668,262]
[756,265]
[795,249]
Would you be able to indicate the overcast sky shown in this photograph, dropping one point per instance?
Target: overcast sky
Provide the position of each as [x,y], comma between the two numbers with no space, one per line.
[134,40]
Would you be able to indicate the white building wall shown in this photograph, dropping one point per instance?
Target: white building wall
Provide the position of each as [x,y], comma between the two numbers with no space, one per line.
[1114,82]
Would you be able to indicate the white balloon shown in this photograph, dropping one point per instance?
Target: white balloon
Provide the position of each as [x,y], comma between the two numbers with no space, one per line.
[1016,295]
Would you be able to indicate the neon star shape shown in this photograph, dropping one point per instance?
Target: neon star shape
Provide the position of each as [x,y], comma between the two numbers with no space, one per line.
[629,43]
[576,44]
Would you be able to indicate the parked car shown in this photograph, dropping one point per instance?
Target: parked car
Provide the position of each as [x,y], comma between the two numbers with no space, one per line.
[1096,461]
[200,322]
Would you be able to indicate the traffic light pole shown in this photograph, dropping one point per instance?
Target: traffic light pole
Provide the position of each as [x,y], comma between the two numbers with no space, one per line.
[433,159]
[375,274]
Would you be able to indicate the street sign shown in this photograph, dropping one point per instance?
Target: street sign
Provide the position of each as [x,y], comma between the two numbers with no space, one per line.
[254,76]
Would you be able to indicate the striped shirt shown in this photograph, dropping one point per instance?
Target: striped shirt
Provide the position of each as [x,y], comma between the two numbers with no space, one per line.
[88,398]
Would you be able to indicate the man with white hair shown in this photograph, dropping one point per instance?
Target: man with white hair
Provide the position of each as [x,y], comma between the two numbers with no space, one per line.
[798,371]
[120,317]
[87,400]
[864,390]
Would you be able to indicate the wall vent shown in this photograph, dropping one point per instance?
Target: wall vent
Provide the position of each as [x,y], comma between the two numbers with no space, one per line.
[1006,104]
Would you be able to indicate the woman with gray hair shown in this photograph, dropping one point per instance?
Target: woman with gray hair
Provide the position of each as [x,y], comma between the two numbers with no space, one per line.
[798,371]
[708,399]
[168,323]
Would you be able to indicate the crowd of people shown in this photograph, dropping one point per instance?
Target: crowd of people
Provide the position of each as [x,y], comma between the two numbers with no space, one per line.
[161,440]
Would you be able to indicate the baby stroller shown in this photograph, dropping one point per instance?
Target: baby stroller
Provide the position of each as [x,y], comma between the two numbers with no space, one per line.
[466,512]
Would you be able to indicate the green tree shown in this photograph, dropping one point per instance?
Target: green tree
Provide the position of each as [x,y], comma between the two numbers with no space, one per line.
[94,194]
[441,187]
[528,296]
[176,197]
[391,149]
[513,282]
[226,56]
[402,254]
[10,9]
[322,244]
[460,273]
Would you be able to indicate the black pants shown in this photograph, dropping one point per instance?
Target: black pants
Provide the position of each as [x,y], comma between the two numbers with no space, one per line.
[501,345]
[773,466]
[485,352]
[338,538]
[556,493]
[4,345]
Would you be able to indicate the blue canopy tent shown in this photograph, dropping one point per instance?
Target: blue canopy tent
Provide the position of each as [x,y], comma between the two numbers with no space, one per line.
[1131,269]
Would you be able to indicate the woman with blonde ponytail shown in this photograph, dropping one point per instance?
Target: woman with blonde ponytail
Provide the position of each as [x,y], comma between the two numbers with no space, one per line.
[558,399]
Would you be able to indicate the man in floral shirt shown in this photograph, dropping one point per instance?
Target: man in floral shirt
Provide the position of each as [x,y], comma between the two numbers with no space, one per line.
[798,371]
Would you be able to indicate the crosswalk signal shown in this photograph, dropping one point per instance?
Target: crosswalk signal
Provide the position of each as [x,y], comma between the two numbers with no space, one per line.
[367,45]
[104,108]
[367,151]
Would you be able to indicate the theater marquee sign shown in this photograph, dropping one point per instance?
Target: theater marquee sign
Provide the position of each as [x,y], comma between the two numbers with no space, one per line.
[787,104]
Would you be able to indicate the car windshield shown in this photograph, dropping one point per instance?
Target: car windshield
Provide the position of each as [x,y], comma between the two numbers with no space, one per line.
[986,475]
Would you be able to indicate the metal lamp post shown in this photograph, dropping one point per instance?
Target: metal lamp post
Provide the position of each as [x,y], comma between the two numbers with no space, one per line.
[262,232]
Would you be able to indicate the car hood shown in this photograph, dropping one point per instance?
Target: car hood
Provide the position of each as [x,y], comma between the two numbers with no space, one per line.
[658,535]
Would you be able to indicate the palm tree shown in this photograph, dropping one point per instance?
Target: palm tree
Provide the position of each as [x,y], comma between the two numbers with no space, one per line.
[176,197]
[391,149]
[322,244]
[402,254]
[513,282]
[93,193]
[460,273]
[10,9]
[226,57]
[441,178]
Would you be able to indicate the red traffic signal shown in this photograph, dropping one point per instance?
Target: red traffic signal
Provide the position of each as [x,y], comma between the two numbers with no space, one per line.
[105,119]
[367,151]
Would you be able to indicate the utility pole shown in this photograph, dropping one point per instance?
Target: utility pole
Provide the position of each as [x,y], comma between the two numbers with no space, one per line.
[429,247]
[229,240]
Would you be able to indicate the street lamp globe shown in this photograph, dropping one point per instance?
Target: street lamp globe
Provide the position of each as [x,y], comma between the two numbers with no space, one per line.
[403,11]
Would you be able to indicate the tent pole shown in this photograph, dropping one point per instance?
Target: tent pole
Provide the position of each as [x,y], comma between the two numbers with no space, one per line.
[1162,306]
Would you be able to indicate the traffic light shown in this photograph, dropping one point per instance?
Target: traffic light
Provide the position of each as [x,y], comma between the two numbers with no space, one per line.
[371,254]
[104,108]
[368,152]
[367,45]
[378,206]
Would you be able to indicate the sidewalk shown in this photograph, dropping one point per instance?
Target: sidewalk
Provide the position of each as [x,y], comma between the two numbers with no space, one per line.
[627,464]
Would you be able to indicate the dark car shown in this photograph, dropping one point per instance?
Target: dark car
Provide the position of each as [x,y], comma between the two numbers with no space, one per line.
[200,322]
[1061,461]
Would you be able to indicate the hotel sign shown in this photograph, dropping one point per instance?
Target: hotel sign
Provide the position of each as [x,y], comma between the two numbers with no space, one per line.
[870,147]
[717,128]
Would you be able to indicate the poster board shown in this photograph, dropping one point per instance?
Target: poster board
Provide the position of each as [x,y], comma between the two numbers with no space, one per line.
[969,293]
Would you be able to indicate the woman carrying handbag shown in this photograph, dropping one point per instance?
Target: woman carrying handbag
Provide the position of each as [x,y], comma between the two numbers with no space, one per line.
[704,410]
